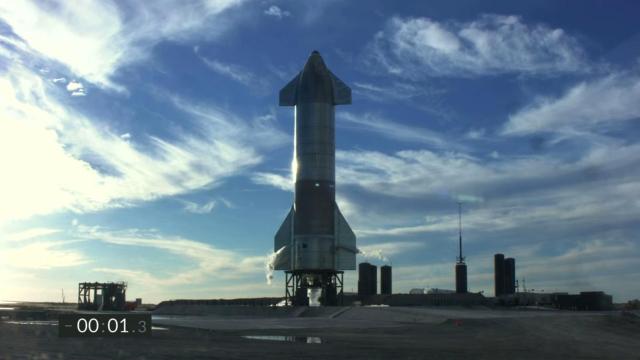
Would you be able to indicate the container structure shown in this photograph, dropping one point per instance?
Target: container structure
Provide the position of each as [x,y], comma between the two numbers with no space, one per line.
[461,278]
[385,280]
[498,274]
[509,276]
[367,279]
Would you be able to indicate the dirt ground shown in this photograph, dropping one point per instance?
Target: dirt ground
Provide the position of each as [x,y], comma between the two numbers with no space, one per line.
[611,336]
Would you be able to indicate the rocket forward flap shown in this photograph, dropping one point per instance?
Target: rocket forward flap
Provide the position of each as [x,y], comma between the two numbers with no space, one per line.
[341,92]
[288,93]
[345,243]
[283,240]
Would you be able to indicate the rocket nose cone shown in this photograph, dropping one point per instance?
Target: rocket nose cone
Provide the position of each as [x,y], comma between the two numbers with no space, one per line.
[315,83]
[315,63]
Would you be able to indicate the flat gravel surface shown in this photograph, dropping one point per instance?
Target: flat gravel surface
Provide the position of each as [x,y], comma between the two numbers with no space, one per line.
[550,336]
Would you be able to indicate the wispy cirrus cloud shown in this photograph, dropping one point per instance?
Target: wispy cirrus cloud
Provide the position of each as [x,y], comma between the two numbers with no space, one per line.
[70,162]
[235,72]
[601,103]
[29,234]
[208,261]
[42,255]
[395,91]
[408,173]
[492,44]
[101,37]
[198,268]
[232,71]
[385,251]
[276,180]
[418,95]
[395,130]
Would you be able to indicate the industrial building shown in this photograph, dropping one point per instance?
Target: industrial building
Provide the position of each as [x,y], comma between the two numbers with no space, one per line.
[461,278]
[385,280]
[510,276]
[367,279]
[498,274]
[461,266]
[431,299]
[102,296]
[584,301]
[504,275]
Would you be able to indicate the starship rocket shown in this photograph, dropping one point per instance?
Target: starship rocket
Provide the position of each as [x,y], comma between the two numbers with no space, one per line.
[315,238]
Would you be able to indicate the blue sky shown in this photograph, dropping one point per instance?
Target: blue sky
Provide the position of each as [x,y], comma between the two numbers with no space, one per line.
[142,141]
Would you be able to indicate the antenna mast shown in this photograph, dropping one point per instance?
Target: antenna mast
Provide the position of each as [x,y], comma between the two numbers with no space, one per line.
[460,258]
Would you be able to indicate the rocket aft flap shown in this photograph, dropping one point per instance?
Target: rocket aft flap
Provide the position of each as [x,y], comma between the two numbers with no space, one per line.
[315,235]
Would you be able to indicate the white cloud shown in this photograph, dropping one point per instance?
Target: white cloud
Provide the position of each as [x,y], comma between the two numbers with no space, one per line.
[74,85]
[96,38]
[69,162]
[208,261]
[159,267]
[41,255]
[29,234]
[475,134]
[277,12]
[394,91]
[418,95]
[227,203]
[599,103]
[491,44]
[395,130]
[235,72]
[409,173]
[196,208]
[507,192]
[278,181]
[386,251]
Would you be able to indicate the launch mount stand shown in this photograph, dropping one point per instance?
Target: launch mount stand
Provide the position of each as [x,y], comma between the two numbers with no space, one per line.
[332,283]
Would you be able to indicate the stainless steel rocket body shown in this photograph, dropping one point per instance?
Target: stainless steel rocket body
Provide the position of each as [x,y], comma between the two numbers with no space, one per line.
[315,169]
[314,186]
[315,234]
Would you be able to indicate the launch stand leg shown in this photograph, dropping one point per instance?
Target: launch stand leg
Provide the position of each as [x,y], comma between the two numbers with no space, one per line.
[296,285]
[292,284]
[339,287]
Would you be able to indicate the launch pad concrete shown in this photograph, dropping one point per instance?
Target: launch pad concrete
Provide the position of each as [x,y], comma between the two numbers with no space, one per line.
[217,318]
[349,333]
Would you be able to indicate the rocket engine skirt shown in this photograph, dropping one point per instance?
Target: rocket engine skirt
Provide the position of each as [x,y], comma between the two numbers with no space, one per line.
[313,252]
